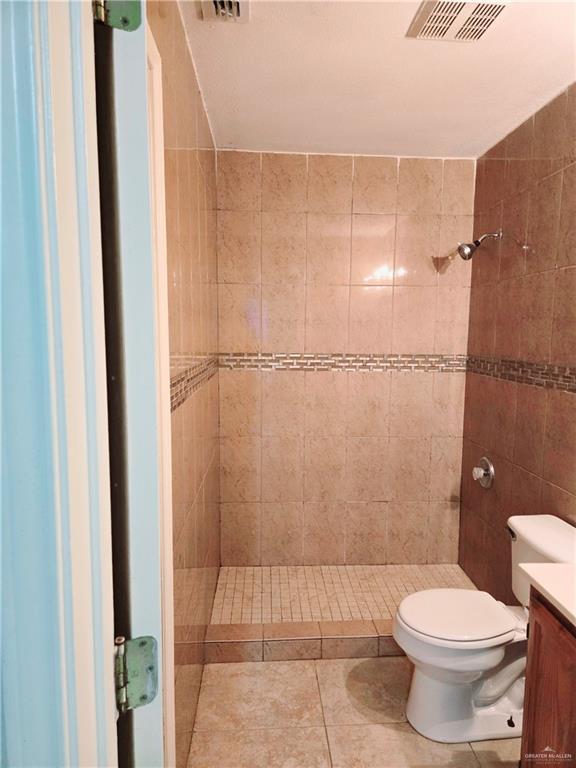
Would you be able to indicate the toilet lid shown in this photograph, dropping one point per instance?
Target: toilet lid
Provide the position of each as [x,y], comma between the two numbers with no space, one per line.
[456,614]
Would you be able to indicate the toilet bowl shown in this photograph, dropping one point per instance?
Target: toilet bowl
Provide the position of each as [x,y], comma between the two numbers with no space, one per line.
[469,656]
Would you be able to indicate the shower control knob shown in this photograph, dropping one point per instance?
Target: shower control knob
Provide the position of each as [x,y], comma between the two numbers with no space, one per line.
[484,472]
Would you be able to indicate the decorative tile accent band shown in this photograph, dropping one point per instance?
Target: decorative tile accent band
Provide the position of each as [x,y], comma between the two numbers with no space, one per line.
[191,373]
[312,361]
[546,375]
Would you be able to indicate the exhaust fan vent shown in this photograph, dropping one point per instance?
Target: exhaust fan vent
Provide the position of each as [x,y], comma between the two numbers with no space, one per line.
[225,10]
[462,22]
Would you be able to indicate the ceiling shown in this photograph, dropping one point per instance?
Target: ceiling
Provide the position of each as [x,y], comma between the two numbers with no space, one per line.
[341,77]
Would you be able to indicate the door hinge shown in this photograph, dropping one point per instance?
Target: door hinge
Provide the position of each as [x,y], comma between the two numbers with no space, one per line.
[136,672]
[120,14]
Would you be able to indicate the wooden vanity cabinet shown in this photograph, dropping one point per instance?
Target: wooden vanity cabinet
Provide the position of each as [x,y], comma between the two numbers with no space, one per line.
[550,698]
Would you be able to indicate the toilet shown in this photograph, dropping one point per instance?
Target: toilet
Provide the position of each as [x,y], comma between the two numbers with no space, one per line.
[469,650]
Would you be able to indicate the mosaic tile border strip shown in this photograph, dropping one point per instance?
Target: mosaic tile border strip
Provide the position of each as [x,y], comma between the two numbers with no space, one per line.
[546,375]
[195,371]
[305,361]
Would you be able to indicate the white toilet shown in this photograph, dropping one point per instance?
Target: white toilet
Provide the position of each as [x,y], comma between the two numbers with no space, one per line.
[469,650]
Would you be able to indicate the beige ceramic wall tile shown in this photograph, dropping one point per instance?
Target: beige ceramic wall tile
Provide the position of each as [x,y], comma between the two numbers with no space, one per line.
[443,526]
[239,181]
[282,533]
[407,532]
[414,320]
[448,397]
[370,323]
[409,469]
[329,184]
[411,404]
[368,408]
[328,240]
[283,402]
[239,318]
[417,239]
[366,533]
[283,318]
[284,179]
[326,395]
[373,242]
[458,187]
[452,270]
[240,403]
[451,334]
[367,463]
[375,184]
[282,468]
[238,247]
[445,468]
[283,248]
[240,532]
[327,318]
[419,185]
[240,468]
[324,468]
[323,541]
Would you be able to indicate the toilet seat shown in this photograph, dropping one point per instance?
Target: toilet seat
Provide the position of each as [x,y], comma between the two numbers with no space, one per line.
[455,618]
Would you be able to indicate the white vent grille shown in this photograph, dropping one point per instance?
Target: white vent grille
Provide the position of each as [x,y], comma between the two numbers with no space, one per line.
[462,22]
[225,10]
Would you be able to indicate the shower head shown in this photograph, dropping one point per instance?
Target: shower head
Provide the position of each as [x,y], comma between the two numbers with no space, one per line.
[466,250]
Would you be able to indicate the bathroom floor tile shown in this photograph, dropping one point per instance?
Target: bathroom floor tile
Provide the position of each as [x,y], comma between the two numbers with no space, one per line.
[361,691]
[268,748]
[187,689]
[327,593]
[267,695]
[393,746]
[500,753]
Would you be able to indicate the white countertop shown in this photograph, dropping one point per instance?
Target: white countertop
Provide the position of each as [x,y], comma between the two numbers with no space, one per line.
[557,582]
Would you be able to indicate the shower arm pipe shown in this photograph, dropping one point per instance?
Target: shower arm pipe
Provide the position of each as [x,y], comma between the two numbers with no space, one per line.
[496,235]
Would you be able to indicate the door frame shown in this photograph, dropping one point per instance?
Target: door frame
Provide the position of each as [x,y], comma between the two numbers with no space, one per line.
[160,254]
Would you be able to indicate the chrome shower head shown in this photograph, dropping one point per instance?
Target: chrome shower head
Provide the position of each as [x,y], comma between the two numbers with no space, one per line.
[466,250]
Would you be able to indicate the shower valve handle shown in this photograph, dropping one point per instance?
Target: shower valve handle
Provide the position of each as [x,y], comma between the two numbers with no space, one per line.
[484,472]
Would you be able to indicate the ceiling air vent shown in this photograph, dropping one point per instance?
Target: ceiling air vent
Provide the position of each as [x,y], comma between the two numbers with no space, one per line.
[460,22]
[225,10]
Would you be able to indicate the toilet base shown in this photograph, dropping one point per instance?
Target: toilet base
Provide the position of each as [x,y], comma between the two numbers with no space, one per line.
[444,711]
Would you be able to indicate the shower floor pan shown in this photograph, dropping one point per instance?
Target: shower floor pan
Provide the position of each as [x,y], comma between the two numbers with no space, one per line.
[275,613]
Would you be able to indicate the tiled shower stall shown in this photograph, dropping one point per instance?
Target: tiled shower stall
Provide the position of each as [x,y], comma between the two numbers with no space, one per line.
[336,371]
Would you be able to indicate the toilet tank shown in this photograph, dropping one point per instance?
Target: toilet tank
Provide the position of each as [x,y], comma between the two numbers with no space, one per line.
[538,539]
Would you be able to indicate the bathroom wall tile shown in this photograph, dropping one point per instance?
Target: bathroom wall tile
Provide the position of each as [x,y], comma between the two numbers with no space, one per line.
[564,322]
[407,532]
[411,404]
[543,224]
[458,187]
[373,242]
[514,226]
[326,396]
[482,322]
[239,318]
[240,403]
[368,406]
[451,332]
[443,527]
[283,248]
[417,240]
[558,502]
[240,534]
[419,185]
[519,145]
[486,261]
[448,408]
[571,124]
[324,530]
[367,475]
[282,468]
[329,183]
[366,524]
[536,316]
[328,249]
[240,468]
[370,323]
[283,318]
[238,247]
[239,181]
[567,224]
[550,137]
[560,440]
[409,469]
[324,468]
[283,402]
[375,184]
[327,318]
[445,469]
[282,533]
[414,319]
[508,326]
[284,179]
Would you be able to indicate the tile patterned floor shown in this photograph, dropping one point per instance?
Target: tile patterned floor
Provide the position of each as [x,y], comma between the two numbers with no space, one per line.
[271,594]
[347,713]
